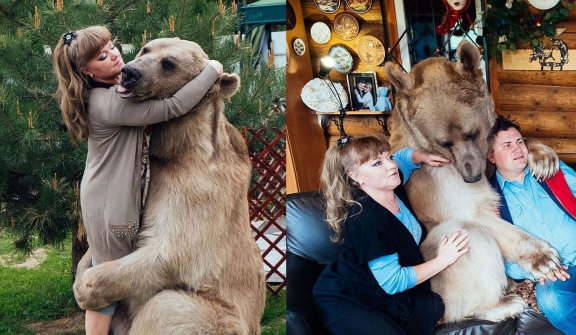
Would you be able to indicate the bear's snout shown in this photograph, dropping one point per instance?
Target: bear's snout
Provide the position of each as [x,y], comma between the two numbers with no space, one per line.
[130,76]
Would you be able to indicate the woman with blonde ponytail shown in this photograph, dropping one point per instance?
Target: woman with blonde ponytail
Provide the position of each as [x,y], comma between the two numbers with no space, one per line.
[88,67]
[379,283]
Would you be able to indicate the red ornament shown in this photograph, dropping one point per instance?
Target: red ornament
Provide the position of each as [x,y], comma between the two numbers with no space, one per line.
[454,9]
[538,21]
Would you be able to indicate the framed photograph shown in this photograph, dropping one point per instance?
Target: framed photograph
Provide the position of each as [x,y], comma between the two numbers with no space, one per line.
[362,87]
[327,6]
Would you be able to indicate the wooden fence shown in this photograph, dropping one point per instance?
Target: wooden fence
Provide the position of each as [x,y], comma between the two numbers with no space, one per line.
[267,194]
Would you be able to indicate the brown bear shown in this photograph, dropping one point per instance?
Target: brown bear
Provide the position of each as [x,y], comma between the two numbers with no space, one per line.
[196,268]
[445,108]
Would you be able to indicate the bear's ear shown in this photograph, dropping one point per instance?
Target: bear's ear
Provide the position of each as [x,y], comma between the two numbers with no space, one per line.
[468,58]
[402,81]
[229,84]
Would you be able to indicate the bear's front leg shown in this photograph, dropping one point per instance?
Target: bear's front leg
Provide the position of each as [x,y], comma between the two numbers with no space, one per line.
[95,288]
[534,255]
[542,160]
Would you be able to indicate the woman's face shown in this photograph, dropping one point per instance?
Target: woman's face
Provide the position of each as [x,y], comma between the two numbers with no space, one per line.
[377,174]
[106,66]
[457,5]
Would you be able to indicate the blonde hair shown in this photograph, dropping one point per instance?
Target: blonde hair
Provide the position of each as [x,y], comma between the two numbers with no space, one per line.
[69,58]
[337,186]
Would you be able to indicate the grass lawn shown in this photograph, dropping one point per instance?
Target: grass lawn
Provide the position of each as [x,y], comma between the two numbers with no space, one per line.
[45,294]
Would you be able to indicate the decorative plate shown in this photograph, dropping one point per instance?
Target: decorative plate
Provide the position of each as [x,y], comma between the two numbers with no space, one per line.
[327,6]
[371,50]
[342,58]
[359,6]
[320,32]
[299,47]
[346,27]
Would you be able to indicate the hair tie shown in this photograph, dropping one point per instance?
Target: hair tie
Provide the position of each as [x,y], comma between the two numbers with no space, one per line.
[68,37]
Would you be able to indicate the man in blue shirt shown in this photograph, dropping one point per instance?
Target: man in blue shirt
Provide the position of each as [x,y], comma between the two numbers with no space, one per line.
[539,210]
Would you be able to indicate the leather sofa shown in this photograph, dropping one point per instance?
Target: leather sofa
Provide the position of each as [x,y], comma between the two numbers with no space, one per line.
[309,250]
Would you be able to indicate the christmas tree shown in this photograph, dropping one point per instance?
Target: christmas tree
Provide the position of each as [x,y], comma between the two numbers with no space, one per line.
[40,169]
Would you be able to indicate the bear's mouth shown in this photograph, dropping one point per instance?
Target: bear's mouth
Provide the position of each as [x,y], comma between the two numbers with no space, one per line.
[125,93]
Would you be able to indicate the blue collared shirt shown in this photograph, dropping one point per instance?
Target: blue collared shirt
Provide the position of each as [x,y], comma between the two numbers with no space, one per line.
[533,211]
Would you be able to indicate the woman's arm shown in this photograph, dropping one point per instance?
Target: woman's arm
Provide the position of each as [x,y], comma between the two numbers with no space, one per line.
[128,112]
[451,248]
[393,278]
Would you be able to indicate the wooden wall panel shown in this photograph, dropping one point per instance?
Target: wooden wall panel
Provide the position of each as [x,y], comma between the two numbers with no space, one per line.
[537,97]
[552,125]
[543,102]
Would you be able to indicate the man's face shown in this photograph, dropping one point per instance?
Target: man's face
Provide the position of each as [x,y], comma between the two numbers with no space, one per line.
[510,154]
[361,86]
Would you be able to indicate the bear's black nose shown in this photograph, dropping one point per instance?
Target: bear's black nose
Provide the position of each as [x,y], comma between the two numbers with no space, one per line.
[130,76]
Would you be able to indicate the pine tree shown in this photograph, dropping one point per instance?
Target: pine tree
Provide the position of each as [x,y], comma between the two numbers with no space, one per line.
[40,169]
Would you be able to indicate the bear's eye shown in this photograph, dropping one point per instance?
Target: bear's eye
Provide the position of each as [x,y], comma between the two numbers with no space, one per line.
[168,65]
[446,144]
[144,51]
[471,136]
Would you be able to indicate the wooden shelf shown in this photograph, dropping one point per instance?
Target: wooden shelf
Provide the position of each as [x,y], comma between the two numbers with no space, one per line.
[381,117]
[360,112]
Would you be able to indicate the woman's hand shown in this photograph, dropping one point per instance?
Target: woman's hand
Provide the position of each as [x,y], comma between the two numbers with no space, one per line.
[216,65]
[453,247]
[432,160]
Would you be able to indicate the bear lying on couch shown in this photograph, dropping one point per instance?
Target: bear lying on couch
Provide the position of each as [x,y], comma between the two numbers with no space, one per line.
[309,250]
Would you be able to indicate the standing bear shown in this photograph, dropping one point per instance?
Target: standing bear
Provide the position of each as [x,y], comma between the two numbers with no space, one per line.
[444,108]
[196,268]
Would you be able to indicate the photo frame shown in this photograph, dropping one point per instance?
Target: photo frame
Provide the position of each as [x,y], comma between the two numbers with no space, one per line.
[358,82]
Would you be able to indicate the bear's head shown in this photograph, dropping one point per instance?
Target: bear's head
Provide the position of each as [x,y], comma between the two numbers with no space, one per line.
[164,65]
[445,108]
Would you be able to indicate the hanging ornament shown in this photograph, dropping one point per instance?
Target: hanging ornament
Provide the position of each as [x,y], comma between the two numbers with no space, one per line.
[36,18]
[234,8]
[259,106]
[55,182]
[144,38]
[509,4]
[30,121]
[538,21]
[238,39]
[172,25]
[221,8]
[148,10]
[18,108]
[99,3]
[59,5]
[454,10]
[13,222]
[213,32]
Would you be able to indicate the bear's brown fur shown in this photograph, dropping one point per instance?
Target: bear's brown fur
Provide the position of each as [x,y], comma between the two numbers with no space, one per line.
[444,108]
[196,268]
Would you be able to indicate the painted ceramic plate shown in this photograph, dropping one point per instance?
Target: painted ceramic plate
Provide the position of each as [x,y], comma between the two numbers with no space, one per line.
[320,32]
[359,6]
[346,27]
[299,47]
[342,58]
[371,50]
[327,6]
[543,4]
